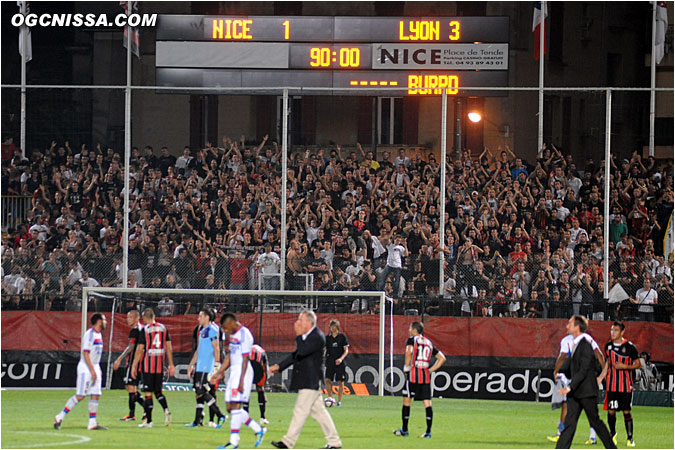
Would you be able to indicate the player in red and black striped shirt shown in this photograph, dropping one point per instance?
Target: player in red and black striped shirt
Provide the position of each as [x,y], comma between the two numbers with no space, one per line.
[259,363]
[418,353]
[622,359]
[130,382]
[154,344]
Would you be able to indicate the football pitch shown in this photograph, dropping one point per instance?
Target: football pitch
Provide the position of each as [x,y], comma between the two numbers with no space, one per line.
[363,422]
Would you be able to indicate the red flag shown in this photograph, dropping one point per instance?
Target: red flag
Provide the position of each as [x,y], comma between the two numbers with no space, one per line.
[536,23]
[135,39]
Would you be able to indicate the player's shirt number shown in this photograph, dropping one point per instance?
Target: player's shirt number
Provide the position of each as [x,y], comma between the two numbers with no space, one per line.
[156,341]
[423,353]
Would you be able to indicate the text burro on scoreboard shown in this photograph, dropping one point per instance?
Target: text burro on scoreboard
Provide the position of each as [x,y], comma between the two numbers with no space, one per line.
[433,84]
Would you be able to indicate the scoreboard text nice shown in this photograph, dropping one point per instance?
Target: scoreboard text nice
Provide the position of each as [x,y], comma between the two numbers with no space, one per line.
[423,55]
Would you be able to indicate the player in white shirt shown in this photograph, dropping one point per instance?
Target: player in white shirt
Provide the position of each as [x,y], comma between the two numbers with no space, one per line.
[566,348]
[88,373]
[238,390]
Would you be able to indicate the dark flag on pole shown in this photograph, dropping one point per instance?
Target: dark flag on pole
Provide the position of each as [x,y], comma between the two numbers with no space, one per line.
[135,39]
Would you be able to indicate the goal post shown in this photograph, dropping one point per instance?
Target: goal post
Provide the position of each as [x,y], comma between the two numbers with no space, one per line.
[268,314]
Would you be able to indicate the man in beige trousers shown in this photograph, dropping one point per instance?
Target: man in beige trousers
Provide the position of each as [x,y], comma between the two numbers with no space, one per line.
[307,362]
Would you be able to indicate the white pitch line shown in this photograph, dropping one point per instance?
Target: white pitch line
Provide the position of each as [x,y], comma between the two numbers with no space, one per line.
[80,439]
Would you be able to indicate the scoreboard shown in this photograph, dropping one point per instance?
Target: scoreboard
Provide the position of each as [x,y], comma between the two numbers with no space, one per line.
[421,55]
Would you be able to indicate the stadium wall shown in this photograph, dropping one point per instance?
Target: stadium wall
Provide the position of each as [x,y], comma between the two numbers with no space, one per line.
[488,358]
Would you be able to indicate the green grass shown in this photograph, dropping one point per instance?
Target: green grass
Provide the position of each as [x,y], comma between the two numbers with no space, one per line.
[363,422]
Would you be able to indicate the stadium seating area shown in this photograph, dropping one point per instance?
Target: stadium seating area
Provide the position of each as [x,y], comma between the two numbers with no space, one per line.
[523,238]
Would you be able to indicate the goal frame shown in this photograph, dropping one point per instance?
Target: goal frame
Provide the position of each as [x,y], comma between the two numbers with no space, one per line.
[375,294]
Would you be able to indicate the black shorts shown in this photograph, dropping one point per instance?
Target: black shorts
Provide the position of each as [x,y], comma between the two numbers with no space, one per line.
[259,375]
[128,380]
[201,382]
[335,372]
[417,391]
[618,401]
[152,382]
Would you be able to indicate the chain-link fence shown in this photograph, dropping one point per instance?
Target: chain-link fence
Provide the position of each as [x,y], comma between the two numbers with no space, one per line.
[523,235]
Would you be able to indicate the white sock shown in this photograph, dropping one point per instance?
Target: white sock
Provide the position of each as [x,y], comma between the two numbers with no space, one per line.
[592,436]
[93,409]
[249,422]
[235,424]
[70,404]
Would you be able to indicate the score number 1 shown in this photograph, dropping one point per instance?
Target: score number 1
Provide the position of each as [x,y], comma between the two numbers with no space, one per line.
[287,28]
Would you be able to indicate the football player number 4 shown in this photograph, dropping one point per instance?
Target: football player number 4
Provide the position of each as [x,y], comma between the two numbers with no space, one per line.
[156,341]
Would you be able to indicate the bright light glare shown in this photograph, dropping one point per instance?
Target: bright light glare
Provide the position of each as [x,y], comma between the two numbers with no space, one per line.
[475,117]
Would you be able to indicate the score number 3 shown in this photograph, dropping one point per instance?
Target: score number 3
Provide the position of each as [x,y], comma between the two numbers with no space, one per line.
[454,28]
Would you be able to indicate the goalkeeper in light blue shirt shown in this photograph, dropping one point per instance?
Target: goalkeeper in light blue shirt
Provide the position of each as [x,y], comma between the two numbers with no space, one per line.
[205,360]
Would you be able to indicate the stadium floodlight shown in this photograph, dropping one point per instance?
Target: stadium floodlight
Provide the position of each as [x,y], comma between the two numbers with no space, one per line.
[475,116]
[265,305]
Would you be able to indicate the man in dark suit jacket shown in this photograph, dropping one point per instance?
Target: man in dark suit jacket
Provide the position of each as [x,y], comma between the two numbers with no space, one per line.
[582,392]
[307,362]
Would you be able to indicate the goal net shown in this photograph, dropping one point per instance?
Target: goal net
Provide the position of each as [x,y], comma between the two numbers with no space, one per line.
[268,314]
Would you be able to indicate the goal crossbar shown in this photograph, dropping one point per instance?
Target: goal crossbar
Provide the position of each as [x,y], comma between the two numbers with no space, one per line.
[86,291]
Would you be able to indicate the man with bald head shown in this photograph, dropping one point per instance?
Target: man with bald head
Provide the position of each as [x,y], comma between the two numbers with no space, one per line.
[307,362]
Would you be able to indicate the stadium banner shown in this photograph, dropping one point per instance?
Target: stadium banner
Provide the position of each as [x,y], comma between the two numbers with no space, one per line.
[455,336]
[513,379]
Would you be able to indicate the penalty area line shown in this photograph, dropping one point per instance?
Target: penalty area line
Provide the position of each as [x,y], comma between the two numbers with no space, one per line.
[80,439]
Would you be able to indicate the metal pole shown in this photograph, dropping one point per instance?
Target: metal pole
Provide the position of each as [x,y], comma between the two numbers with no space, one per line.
[444,151]
[608,138]
[109,369]
[458,127]
[542,33]
[373,127]
[652,93]
[127,157]
[284,176]
[391,349]
[85,304]
[383,312]
[24,34]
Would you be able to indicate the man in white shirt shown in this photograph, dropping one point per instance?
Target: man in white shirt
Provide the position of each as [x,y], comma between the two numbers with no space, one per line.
[87,281]
[401,159]
[89,374]
[240,379]
[395,253]
[183,161]
[562,211]
[269,263]
[165,307]
[39,229]
[645,297]
[575,233]
[574,182]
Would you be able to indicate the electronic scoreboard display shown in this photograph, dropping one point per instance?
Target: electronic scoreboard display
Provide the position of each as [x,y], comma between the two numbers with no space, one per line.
[421,55]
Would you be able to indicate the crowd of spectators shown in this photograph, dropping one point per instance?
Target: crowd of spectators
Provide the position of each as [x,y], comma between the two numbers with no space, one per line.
[523,239]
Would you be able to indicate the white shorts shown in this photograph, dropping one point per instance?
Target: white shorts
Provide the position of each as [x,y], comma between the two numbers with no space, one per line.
[84,385]
[233,383]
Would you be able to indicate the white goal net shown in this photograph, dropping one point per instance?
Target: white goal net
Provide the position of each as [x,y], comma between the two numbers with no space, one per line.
[268,314]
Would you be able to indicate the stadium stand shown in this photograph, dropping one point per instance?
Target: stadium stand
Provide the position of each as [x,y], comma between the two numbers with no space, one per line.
[524,239]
